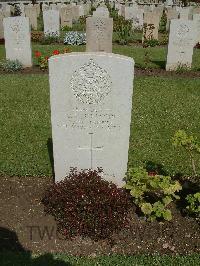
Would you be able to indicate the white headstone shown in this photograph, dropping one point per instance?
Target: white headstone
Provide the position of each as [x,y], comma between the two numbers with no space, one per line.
[169,3]
[136,15]
[51,20]
[184,13]
[18,39]
[91,101]
[151,26]
[22,9]
[101,12]
[31,13]
[45,7]
[196,18]
[81,11]
[99,34]
[75,12]
[54,7]
[182,39]
[171,14]
[66,16]
[87,8]
[1,25]
[7,11]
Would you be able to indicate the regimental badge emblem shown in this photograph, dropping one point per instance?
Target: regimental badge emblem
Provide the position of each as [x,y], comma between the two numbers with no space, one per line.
[90,83]
[182,31]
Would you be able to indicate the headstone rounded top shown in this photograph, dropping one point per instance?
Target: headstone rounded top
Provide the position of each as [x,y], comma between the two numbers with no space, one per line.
[91,54]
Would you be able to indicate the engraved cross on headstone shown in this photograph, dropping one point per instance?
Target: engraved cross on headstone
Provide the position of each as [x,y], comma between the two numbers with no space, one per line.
[91,149]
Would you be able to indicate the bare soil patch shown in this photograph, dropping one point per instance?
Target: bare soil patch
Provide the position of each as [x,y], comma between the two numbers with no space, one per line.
[24,226]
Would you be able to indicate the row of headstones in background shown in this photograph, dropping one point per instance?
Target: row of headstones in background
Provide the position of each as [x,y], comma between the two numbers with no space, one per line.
[51,19]
[137,14]
[99,38]
[67,13]
[18,38]
[99,29]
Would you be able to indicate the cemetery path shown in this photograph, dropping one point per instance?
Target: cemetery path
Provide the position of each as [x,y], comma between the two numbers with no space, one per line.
[22,213]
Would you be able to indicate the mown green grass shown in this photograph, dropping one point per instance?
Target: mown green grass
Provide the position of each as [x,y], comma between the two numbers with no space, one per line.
[160,107]
[156,55]
[25,259]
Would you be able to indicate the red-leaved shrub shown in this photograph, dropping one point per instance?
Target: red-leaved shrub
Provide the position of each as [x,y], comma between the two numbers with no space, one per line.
[84,204]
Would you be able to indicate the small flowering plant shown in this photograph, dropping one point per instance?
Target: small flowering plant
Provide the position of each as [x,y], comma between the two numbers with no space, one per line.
[42,60]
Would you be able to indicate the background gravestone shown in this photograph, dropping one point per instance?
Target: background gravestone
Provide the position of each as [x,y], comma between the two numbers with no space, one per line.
[91,101]
[66,16]
[51,20]
[184,13]
[1,25]
[182,39]
[101,12]
[99,34]
[151,26]
[171,14]
[196,18]
[31,13]
[136,15]
[18,39]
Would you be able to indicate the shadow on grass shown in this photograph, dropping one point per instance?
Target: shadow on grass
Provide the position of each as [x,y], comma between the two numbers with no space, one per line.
[13,253]
[50,151]
[161,64]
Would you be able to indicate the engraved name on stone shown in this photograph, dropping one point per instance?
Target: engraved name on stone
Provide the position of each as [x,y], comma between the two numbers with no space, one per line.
[90,119]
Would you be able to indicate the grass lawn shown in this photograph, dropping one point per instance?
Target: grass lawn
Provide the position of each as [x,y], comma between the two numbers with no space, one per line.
[61,259]
[160,107]
[157,55]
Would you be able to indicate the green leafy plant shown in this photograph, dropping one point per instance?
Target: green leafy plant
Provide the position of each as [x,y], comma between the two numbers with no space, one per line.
[193,201]
[113,13]
[84,204]
[11,65]
[37,36]
[42,60]
[164,39]
[152,194]
[50,39]
[79,25]
[150,43]
[123,29]
[181,68]
[17,11]
[163,22]
[189,144]
[147,58]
